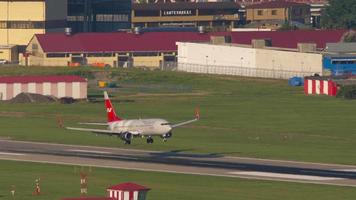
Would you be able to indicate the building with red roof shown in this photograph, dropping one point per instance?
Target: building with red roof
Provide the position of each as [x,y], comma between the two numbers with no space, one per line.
[117,49]
[128,191]
[123,191]
[150,49]
[57,86]
[274,14]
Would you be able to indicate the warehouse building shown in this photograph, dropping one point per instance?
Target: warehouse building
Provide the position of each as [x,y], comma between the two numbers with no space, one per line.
[213,15]
[118,49]
[57,86]
[255,61]
[21,19]
[149,49]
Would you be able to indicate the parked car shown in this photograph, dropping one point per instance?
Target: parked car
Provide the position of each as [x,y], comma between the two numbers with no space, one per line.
[2,61]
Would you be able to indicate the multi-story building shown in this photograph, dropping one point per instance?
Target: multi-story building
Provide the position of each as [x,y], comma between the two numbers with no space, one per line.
[21,19]
[99,15]
[273,14]
[223,15]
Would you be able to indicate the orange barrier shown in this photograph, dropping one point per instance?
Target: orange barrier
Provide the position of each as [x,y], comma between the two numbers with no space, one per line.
[73,64]
[98,64]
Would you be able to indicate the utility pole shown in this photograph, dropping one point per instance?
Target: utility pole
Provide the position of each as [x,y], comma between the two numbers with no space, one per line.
[87,16]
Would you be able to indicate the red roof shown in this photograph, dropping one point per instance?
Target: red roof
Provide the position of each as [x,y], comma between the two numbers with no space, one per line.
[290,39]
[128,187]
[90,198]
[276,4]
[40,79]
[117,41]
[166,41]
[250,2]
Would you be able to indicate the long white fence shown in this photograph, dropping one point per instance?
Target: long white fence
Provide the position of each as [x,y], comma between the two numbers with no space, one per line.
[242,71]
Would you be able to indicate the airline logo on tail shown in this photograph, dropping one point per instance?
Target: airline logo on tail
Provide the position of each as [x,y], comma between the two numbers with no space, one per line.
[112,117]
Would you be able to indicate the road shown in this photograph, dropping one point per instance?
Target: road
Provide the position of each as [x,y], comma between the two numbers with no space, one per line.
[179,162]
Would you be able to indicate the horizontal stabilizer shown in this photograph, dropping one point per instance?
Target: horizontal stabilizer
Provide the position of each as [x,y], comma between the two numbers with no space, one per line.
[93,123]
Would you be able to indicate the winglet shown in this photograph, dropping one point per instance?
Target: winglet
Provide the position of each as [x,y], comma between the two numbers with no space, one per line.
[106,96]
[197,113]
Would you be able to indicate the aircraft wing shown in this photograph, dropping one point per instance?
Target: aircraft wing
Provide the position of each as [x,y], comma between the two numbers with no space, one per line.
[184,123]
[93,123]
[197,117]
[98,131]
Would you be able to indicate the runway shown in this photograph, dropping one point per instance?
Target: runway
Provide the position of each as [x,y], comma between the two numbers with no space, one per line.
[179,162]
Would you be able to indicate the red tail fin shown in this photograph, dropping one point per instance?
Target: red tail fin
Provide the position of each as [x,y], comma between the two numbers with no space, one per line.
[112,117]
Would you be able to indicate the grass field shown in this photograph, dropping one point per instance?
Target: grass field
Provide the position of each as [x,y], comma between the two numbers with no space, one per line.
[64,181]
[239,116]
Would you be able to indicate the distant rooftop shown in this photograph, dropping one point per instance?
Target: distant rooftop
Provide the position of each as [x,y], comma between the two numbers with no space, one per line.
[185,5]
[128,186]
[41,79]
[276,4]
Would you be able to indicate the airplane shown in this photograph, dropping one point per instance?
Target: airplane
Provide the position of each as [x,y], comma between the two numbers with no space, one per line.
[127,129]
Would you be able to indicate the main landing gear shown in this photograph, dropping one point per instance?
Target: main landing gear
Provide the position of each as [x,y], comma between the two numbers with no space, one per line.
[149,140]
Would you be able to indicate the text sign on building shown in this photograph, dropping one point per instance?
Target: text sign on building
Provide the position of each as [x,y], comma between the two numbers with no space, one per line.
[178,12]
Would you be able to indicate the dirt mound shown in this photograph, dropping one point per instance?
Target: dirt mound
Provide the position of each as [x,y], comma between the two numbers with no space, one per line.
[32,98]
[67,100]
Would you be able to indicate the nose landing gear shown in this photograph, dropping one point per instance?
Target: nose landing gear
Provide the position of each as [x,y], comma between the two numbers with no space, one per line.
[149,140]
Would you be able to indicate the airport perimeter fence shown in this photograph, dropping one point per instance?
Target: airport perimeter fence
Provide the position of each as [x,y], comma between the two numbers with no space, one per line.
[242,71]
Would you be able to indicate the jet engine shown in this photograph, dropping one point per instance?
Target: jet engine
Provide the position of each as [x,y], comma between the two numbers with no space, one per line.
[126,136]
[167,135]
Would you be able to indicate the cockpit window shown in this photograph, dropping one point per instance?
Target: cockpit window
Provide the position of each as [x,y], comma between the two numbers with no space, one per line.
[165,124]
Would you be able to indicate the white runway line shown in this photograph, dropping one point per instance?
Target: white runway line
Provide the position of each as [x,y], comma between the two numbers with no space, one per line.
[87,151]
[286,176]
[11,154]
[345,170]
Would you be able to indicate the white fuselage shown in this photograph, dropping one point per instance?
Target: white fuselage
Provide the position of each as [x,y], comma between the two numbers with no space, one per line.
[144,127]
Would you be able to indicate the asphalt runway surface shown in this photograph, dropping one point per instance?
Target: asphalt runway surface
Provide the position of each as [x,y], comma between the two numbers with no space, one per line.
[178,161]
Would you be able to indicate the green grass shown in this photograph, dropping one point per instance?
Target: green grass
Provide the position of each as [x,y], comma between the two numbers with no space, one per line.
[239,116]
[64,181]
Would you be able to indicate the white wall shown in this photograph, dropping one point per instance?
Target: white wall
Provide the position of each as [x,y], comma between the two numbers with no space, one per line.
[288,60]
[208,54]
[246,61]
[3,92]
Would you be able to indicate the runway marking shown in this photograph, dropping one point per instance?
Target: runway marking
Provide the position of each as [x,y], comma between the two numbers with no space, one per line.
[286,176]
[11,154]
[178,172]
[88,151]
[345,170]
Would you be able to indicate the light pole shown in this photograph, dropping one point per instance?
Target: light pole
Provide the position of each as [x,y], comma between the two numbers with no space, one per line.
[241,59]
[206,61]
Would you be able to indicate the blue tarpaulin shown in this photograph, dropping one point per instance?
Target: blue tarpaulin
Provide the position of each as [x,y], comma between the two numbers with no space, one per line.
[296,81]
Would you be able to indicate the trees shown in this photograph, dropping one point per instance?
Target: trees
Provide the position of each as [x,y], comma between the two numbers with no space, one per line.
[349,36]
[339,14]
